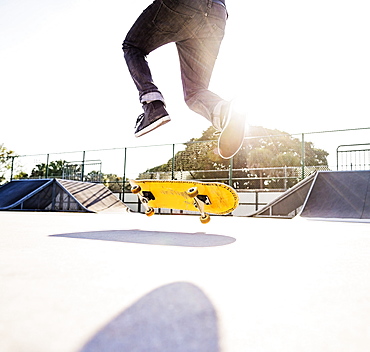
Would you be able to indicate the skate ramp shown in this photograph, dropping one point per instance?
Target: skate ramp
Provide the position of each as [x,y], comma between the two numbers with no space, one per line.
[289,203]
[339,195]
[93,196]
[58,195]
[11,193]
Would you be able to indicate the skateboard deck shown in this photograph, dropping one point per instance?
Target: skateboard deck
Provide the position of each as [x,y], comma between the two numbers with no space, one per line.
[206,197]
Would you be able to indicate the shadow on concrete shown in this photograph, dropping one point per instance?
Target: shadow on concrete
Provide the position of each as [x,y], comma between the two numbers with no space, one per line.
[173,318]
[180,239]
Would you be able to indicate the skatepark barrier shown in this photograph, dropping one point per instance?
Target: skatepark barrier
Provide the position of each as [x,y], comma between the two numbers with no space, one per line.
[58,195]
[326,195]
[339,195]
[289,203]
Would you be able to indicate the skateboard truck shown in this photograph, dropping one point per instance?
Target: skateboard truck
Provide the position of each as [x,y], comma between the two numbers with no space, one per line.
[149,211]
[199,202]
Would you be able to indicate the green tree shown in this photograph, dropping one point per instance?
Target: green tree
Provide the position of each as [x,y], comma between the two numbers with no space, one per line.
[262,149]
[274,148]
[113,182]
[266,148]
[200,154]
[94,176]
[6,156]
[21,175]
[55,169]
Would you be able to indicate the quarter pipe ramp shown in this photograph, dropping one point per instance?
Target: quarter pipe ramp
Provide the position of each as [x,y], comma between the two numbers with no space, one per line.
[339,194]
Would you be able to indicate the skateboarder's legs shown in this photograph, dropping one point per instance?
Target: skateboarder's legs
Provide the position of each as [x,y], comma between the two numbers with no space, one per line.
[197,28]
[198,55]
[142,39]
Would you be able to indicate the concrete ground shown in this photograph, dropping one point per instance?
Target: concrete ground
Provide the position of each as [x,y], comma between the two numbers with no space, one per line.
[125,282]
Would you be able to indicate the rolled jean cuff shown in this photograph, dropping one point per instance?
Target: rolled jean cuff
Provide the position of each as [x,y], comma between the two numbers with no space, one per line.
[151,96]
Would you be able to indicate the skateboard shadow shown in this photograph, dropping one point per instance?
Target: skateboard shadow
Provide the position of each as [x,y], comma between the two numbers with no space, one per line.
[180,239]
[177,317]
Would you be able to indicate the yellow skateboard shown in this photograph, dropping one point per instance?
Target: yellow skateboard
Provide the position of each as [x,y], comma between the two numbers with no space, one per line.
[206,197]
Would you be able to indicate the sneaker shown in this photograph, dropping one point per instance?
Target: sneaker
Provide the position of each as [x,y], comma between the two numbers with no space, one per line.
[233,132]
[154,115]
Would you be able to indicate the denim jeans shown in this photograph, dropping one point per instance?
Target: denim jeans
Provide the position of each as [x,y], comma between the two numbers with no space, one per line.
[197,27]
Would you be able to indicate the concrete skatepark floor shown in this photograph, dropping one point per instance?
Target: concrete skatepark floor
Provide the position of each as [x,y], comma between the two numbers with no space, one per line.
[124,282]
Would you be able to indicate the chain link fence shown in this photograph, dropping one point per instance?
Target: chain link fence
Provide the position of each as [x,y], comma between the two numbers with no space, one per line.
[198,160]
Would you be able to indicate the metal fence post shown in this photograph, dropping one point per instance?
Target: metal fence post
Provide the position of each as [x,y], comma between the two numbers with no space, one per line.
[83,166]
[173,162]
[47,166]
[12,169]
[231,171]
[303,156]
[285,178]
[124,176]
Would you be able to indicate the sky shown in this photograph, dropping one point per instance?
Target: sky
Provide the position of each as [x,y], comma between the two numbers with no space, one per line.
[299,66]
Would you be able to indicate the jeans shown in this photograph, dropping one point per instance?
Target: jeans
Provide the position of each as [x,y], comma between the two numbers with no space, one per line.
[197,27]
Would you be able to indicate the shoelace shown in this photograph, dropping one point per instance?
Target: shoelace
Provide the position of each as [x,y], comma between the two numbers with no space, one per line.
[139,119]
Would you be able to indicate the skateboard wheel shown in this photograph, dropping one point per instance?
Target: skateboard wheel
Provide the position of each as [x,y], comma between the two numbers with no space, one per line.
[192,192]
[149,212]
[205,219]
[135,189]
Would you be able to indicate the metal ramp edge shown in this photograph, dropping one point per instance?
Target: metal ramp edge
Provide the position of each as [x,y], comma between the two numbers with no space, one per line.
[289,203]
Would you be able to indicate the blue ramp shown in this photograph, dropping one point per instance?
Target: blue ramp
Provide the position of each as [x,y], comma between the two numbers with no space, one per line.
[13,192]
[339,195]
[58,195]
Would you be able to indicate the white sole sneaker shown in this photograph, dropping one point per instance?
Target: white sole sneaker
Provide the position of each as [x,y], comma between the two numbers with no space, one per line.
[161,121]
[233,133]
